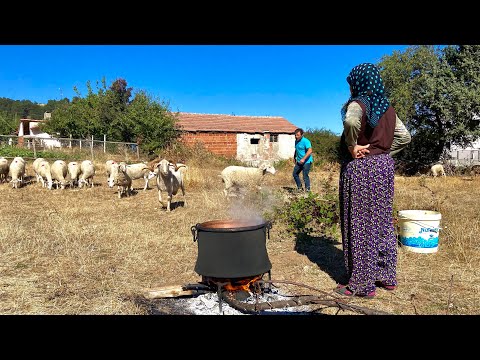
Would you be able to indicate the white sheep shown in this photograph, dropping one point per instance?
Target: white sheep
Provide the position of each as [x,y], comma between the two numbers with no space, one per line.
[243,176]
[170,178]
[437,170]
[108,167]
[119,177]
[74,171]
[138,171]
[4,169]
[17,171]
[43,171]
[87,172]
[59,173]
[35,164]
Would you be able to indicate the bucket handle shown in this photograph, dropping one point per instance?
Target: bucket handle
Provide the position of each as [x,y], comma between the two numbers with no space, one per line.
[423,224]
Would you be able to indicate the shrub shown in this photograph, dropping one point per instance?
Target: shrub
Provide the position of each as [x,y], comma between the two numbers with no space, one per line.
[314,212]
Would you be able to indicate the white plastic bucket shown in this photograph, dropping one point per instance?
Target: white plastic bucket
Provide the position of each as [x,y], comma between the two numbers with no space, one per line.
[419,230]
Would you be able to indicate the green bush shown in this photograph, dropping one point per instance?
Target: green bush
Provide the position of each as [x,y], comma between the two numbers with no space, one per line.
[285,164]
[325,145]
[314,212]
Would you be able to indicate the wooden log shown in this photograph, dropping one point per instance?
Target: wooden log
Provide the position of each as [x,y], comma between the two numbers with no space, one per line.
[167,292]
[171,291]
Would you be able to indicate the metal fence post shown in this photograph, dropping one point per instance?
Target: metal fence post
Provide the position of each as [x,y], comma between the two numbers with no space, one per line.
[34,151]
[91,147]
[104,143]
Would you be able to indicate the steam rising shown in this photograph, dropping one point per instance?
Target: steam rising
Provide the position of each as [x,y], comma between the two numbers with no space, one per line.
[251,207]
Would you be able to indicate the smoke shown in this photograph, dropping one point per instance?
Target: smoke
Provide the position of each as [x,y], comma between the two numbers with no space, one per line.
[251,206]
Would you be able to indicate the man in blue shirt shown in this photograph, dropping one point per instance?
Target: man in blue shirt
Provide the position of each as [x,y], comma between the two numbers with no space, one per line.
[303,159]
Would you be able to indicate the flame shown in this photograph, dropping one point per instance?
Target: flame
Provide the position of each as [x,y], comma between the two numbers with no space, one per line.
[237,284]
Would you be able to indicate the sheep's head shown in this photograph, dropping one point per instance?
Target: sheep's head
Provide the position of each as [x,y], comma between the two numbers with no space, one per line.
[267,168]
[163,167]
[63,184]
[114,173]
[151,175]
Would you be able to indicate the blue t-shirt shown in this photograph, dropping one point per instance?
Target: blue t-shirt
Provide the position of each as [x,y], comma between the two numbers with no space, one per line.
[301,147]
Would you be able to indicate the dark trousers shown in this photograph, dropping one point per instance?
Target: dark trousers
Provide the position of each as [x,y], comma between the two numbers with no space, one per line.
[304,169]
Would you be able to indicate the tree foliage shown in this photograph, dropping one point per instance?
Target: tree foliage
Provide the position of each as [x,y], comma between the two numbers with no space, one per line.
[154,123]
[111,111]
[26,109]
[8,124]
[436,93]
[325,145]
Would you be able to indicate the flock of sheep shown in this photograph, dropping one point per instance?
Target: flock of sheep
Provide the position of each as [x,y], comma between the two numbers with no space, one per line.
[170,177]
[59,174]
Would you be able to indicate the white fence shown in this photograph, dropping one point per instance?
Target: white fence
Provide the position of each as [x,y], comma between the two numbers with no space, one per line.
[50,143]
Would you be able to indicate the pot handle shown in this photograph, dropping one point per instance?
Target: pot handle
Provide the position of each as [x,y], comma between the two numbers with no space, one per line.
[268,226]
[193,229]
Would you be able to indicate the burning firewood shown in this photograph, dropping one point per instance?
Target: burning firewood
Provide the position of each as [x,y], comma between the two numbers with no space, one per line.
[171,291]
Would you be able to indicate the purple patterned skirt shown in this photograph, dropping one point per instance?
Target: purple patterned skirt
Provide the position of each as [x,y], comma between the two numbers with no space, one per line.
[366,190]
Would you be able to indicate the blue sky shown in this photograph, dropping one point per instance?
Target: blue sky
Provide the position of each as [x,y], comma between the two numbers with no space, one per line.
[303,83]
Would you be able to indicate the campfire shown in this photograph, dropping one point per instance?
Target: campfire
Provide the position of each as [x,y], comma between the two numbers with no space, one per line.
[251,284]
[233,263]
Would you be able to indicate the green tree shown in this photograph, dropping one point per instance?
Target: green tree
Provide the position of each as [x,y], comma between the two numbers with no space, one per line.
[436,93]
[80,118]
[464,103]
[325,145]
[154,123]
[8,123]
[113,112]
[109,110]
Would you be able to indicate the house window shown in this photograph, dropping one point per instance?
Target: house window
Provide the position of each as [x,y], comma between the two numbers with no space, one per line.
[273,137]
[254,141]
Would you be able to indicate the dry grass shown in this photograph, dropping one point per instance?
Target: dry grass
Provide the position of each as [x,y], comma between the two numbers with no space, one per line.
[84,251]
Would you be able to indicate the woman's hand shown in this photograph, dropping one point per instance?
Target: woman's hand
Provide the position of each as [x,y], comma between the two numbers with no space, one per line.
[359,151]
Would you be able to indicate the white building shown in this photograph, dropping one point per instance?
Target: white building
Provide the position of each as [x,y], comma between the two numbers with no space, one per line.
[250,139]
[30,128]
[469,155]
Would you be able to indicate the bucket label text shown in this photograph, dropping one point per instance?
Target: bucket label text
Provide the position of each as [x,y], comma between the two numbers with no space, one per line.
[424,230]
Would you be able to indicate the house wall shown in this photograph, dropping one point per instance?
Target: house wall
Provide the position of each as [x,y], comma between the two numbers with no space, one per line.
[20,129]
[465,156]
[224,144]
[265,149]
[252,147]
[286,146]
[28,128]
[32,128]
[243,146]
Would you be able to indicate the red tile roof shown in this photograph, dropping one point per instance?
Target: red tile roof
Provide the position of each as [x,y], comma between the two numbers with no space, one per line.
[234,123]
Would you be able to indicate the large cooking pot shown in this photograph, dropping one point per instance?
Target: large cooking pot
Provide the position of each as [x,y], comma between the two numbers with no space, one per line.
[232,248]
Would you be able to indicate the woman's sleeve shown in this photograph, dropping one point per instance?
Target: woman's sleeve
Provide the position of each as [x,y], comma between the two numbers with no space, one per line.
[401,137]
[352,123]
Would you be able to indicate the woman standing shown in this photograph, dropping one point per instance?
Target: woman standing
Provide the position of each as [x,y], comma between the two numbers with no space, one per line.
[372,134]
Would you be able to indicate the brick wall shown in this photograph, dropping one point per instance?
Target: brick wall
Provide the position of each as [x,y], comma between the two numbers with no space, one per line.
[224,144]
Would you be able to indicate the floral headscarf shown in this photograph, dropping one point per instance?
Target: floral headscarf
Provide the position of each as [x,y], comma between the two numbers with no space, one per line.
[367,87]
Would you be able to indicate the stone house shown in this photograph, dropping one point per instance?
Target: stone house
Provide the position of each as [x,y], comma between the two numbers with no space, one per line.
[245,138]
